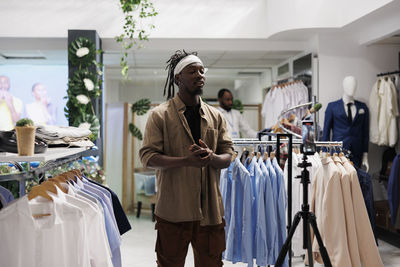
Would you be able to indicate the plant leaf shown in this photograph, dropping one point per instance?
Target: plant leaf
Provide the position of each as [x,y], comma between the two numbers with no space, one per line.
[135,131]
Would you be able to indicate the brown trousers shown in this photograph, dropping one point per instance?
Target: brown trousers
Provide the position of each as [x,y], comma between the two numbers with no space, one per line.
[208,243]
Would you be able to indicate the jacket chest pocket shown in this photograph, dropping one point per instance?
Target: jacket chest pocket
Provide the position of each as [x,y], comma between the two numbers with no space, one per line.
[211,138]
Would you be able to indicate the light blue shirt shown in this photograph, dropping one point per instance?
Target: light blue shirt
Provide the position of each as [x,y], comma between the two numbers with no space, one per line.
[255,175]
[274,185]
[106,196]
[282,199]
[266,232]
[239,243]
[113,236]
[226,193]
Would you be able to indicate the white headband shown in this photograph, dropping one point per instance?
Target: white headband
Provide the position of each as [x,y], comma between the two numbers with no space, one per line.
[190,59]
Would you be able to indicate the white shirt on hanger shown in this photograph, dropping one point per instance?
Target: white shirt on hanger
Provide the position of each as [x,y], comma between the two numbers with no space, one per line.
[48,241]
[98,246]
[384,112]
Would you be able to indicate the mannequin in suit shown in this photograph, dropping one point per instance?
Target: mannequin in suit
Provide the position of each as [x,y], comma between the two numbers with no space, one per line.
[348,120]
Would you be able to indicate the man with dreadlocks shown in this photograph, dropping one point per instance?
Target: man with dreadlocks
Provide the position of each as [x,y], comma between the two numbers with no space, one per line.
[187,142]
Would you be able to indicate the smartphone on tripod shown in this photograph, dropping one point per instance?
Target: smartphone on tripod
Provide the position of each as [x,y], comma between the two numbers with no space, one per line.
[308,147]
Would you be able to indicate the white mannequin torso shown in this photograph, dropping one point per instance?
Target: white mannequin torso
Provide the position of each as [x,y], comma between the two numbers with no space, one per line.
[349,90]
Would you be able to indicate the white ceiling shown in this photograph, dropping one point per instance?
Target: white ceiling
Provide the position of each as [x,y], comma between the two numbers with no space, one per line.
[223,56]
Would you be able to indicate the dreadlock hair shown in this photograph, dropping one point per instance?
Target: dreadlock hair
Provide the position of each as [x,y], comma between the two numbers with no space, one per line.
[171,64]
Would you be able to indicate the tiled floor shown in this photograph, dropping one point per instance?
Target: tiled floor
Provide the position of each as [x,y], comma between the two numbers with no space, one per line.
[138,248]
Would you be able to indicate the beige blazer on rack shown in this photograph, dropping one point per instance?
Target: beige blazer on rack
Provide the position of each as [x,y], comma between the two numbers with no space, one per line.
[367,248]
[327,204]
[349,214]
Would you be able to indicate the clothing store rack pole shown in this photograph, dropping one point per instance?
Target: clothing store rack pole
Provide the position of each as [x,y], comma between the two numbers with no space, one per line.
[289,182]
[388,73]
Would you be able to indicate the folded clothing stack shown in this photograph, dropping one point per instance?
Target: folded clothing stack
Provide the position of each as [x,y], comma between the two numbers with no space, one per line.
[64,136]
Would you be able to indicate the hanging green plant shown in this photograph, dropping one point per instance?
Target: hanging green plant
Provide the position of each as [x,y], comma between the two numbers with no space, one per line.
[82,52]
[139,108]
[84,82]
[133,34]
[88,121]
[237,104]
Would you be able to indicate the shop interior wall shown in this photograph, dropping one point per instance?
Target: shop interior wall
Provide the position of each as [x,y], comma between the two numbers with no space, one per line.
[113,146]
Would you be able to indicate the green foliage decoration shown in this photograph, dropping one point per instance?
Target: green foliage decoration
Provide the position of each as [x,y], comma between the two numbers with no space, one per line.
[84,88]
[82,52]
[134,34]
[135,131]
[237,104]
[91,120]
[84,82]
[139,108]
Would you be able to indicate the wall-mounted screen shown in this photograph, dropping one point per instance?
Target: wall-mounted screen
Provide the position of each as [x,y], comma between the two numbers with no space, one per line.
[33,91]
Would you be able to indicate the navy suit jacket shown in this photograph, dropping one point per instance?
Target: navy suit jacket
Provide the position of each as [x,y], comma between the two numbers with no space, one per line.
[355,135]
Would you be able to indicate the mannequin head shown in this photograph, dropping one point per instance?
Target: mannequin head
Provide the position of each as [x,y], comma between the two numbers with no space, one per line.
[349,86]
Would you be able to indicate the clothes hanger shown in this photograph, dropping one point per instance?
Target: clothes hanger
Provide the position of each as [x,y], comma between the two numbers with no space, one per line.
[341,154]
[78,173]
[272,156]
[258,155]
[265,156]
[292,117]
[234,156]
[61,179]
[58,184]
[50,187]
[37,190]
[251,156]
[42,190]
[66,177]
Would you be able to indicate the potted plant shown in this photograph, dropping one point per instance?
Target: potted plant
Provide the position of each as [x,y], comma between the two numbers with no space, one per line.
[25,131]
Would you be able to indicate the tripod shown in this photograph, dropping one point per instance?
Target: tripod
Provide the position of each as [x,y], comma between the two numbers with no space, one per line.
[309,219]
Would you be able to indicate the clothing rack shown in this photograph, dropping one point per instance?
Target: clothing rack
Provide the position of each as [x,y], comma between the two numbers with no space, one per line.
[278,142]
[298,76]
[29,174]
[388,73]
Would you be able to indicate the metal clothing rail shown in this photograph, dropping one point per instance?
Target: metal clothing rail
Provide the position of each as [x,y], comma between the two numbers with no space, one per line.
[30,174]
[388,73]
[253,141]
[290,141]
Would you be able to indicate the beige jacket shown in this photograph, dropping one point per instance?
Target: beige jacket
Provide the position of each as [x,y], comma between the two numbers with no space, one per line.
[327,205]
[367,248]
[349,214]
[186,193]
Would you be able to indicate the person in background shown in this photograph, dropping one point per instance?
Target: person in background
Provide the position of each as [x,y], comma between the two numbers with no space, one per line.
[187,142]
[41,111]
[237,125]
[10,106]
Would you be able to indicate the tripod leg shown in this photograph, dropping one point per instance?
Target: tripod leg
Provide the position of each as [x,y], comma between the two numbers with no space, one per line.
[285,247]
[322,249]
[309,246]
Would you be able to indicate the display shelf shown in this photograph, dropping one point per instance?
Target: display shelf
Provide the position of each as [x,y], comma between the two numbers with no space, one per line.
[50,154]
[53,158]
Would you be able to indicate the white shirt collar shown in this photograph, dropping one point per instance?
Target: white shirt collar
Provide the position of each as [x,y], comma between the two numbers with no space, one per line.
[347,102]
